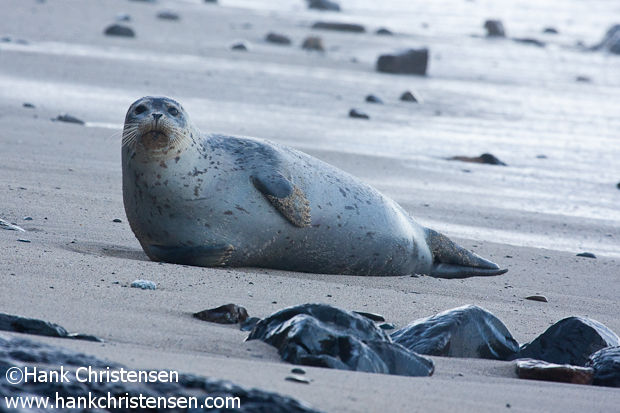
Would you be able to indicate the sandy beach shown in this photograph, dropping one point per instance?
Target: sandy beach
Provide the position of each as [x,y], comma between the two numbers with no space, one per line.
[514,100]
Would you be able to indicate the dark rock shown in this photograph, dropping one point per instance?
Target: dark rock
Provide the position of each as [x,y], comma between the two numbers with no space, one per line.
[540,298]
[224,314]
[116,220]
[278,39]
[249,324]
[210,1]
[495,28]
[27,353]
[484,158]
[357,114]
[10,227]
[370,316]
[144,285]
[373,99]
[323,5]
[570,341]
[384,32]
[119,30]
[387,326]
[342,27]
[564,373]
[239,46]
[606,365]
[297,379]
[325,336]
[618,185]
[468,331]
[408,97]
[611,40]
[27,218]
[28,105]
[528,40]
[27,241]
[541,156]
[550,30]
[412,61]
[37,327]
[298,370]
[168,15]
[313,43]
[584,79]
[586,255]
[69,119]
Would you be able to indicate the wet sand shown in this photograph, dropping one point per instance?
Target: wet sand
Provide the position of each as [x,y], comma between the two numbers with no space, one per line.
[532,216]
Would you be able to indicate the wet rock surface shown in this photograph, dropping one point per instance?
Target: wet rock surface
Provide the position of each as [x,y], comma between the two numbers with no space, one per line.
[494,28]
[606,365]
[325,336]
[224,314]
[411,61]
[323,5]
[570,341]
[486,158]
[16,352]
[468,331]
[564,373]
[341,27]
[119,30]
[24,325]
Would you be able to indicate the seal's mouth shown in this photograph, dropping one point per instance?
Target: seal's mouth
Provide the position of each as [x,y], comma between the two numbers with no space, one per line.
[155,139]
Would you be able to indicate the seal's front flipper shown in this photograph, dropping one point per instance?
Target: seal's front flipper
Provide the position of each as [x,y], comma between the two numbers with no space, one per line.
[453,261]
[202,256]
[285,196]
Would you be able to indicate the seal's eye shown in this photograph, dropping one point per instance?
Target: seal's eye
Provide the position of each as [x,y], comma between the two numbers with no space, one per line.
[173,111]
[140,109]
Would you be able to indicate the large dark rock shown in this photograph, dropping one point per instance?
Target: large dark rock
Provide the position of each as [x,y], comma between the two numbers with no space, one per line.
[495,28]
[38,327]
[606,365]
[412,61]
[611,40]
[325,336]
[341,27]
[570,341]
[468,331]
[25,353]
[323,5]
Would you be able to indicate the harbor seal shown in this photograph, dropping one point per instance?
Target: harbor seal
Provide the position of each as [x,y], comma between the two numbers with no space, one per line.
[216,200]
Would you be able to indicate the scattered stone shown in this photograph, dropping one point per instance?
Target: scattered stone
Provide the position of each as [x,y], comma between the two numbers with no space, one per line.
[224,314]
[168,15]
[10,227]
[486,158]
[28,105]
[325,336]
[42,357]
[530,41]
[239,46]
[69,119]
[408,97]
[606,365]
[584,79]
[297,379]
[468,331]
[119,30]
[387,326]
[342,27]
[586,255]
[278,39]
[27,218]
[570,341]
[357,114]
[412,61]
[541,156]
[550,30]
[249,324]
[116,220]
[564,373]
[611,40]
[373,99]
[384,32]
[313,43]
[144,284]
[123,17]
[27,241]
[370,316]
[298,370]
[495,28]
[540,298]
[323,5]
[37,327]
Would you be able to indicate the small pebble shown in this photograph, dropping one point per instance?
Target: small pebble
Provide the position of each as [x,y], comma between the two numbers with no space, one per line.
[354,113]
[28,105]
[313,43]
[277,39]
[297,379]
[550,30]
[144,284]
[240,47]
[586,255]
[408,97]
[27,218]
[540,298]
[119,30]
[373,99]
[116,220]
[298,370]
[583,79]
[23,240]
[69,119]
[383,31]
[167,15]
[541,156]
[387,326]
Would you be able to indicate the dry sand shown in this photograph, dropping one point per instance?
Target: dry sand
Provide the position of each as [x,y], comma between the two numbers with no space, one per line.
[78,265]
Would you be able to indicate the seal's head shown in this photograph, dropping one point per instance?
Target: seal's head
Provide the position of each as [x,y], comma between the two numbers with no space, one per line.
[156,128]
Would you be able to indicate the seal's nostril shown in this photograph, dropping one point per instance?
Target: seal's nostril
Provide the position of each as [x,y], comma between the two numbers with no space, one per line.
[156,116]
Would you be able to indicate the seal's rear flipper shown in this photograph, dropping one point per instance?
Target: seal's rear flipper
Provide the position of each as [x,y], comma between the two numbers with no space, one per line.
[202,256]
[453,261]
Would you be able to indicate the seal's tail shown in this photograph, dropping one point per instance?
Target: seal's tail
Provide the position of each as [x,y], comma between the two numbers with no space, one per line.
[453,261]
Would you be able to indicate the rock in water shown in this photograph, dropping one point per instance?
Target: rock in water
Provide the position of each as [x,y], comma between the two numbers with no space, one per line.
[277,39]
[119,30]
[323,5]
[487,158]
[412,61]
[570,341]
[564,373]
[495,28]
[30,354]
[224,314]
[342,27]
[468,331]
[611,40]
[38,327]
[313,43]
[325,336]
[606,365]
[358,114]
